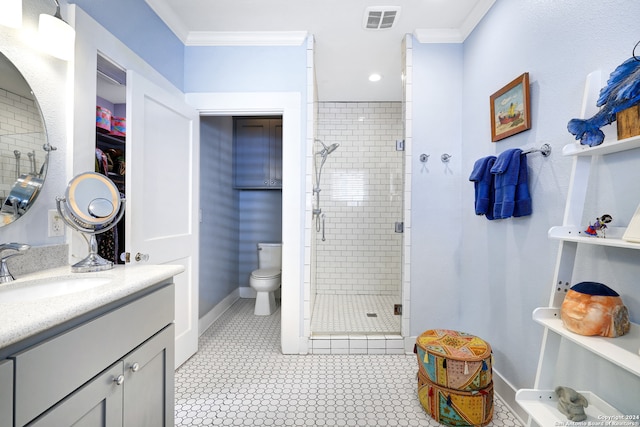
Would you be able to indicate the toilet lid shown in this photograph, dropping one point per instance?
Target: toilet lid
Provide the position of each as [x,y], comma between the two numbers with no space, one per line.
[266,273]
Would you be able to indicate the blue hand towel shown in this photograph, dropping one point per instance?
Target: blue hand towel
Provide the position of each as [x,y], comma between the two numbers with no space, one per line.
[483,183]
[506,170]
[523,197]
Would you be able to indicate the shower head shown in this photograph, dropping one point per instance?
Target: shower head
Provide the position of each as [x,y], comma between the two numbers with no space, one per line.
[327,150]
[332,148]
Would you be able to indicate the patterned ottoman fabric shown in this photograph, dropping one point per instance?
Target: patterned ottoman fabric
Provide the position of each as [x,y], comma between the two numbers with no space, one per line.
[454,407]
[454,359]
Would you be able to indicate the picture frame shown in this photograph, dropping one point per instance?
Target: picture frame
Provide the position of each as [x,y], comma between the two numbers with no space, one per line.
[511,109]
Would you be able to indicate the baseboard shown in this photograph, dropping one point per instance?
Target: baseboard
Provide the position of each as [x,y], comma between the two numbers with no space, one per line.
[207,320]
[507,393]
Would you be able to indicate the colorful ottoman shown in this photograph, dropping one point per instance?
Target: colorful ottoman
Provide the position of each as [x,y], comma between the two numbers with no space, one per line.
[455,407]
[454,377]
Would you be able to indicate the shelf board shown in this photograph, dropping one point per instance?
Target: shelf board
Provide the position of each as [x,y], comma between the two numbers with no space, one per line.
[577,234]
[607,147]
[622,351]
[111,139]
[542,406]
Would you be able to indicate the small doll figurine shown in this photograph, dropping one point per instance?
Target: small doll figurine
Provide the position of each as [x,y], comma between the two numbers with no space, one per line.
[597,228]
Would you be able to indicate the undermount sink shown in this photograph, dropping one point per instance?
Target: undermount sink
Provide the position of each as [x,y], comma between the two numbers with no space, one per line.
[48,288]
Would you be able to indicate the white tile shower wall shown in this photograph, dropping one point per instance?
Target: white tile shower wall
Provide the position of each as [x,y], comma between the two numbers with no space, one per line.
[309,266]
[361,197]
[20,129]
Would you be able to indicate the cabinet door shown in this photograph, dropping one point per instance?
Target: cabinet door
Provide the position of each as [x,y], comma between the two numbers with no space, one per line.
[251,153]
[6,393]
[258,152]
[275,153]
[96,404]
[149,382]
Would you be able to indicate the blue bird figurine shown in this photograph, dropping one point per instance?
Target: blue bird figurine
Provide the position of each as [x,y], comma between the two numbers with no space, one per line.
[621,92]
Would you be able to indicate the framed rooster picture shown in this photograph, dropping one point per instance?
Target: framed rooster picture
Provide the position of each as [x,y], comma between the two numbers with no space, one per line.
[510,109]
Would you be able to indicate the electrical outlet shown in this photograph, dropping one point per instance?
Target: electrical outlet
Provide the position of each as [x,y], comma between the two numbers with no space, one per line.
[56,225]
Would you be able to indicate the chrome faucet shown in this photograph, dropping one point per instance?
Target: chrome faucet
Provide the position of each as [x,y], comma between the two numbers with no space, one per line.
[19,249]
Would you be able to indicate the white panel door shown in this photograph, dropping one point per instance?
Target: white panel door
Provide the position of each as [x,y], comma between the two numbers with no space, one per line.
[162,204]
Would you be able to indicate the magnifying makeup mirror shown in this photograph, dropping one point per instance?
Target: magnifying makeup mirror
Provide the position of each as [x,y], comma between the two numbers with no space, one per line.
[92,205]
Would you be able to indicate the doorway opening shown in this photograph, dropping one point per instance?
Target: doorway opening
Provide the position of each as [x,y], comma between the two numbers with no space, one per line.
[111,112]
[240,201]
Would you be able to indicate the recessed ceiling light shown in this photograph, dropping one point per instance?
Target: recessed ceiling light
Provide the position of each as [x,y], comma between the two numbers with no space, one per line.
[375,77]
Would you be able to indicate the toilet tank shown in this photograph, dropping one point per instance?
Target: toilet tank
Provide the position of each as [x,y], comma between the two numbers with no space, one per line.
[269,255]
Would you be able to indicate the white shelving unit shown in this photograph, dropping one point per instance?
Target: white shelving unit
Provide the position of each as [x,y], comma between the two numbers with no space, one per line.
[541,402]
[542,406]
[577,234]
[622,351]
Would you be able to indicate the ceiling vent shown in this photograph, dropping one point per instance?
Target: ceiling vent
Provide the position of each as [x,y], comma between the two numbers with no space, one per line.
[380,17]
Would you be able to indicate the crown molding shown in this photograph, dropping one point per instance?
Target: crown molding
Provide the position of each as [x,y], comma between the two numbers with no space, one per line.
[170,19]
[455,35]
[476,15]
[246,38]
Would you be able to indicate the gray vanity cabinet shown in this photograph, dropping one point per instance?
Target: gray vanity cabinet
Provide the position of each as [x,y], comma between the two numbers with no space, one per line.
[6,393]
[257,153]
[132,392]
[112,370]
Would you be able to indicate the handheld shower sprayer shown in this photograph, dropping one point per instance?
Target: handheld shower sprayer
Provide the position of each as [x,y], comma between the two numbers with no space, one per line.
[324,153]
[327,150]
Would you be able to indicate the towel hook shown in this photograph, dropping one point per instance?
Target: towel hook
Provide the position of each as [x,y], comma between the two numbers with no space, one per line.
[445,158]
[424,158]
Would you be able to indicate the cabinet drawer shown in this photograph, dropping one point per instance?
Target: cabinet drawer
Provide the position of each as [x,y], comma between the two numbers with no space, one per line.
[48,372]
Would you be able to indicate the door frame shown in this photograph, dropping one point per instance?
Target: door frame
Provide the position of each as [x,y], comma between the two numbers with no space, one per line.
[289,105]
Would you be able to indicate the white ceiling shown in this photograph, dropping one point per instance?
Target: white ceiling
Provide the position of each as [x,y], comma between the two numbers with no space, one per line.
[345,52]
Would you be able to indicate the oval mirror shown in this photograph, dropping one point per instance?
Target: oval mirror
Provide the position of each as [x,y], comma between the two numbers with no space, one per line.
[92,199]
[24,152]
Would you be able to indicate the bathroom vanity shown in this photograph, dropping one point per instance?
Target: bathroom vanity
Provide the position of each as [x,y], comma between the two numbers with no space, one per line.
[99,356]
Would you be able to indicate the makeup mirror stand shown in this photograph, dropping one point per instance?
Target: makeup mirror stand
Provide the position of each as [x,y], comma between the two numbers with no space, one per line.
[93,261]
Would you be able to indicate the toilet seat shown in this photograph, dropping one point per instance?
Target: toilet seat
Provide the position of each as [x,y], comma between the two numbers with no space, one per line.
[266,273]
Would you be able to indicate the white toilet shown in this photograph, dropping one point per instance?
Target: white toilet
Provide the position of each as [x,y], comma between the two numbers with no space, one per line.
[266,279]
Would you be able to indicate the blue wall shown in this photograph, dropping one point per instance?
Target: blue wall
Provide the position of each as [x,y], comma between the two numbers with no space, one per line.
[435,187]
[502,270]
[246,69]
[138,26]
[219,204]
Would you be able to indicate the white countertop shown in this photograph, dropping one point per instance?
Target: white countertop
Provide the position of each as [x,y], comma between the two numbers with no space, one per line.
[20,320]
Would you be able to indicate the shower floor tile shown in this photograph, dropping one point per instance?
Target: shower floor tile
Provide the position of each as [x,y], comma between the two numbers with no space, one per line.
[240,377]
[349,314]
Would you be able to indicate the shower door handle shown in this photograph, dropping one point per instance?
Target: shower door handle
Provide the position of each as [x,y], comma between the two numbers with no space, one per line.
[322,218]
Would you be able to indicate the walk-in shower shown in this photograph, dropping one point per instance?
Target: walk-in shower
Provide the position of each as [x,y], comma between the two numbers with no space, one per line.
[356,253]
[317,210]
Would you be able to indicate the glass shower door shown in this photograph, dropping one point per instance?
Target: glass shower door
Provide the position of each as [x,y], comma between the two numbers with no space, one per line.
[357,247]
